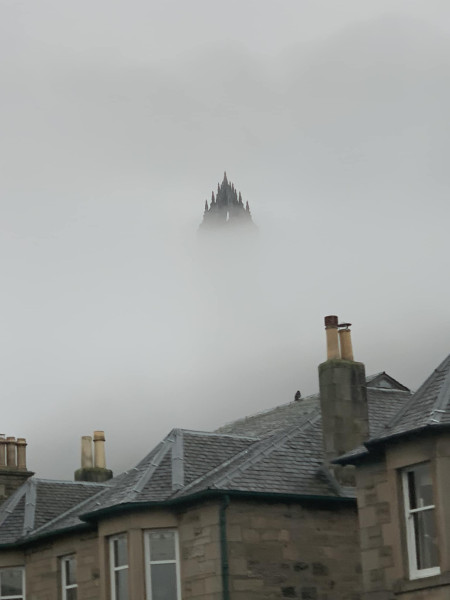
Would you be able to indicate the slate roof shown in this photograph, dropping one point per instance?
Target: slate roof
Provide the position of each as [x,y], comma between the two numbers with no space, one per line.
[428,408]
[38,502]
[288,462]
[274,452]
[383,403]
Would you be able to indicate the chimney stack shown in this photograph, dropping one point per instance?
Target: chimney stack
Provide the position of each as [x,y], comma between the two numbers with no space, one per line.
[13,465]
[93,471]
[343,397]
[11,460]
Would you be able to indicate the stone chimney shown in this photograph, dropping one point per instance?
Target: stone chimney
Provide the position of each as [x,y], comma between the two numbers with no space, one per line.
[13,465]
[343,396]
[93,470]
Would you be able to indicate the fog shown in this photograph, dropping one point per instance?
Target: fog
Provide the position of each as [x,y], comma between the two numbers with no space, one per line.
[119,119]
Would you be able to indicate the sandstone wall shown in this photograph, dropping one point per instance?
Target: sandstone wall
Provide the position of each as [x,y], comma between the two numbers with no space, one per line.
[279,551]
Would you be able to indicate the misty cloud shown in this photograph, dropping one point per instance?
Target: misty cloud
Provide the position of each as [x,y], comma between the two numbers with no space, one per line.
[116,128]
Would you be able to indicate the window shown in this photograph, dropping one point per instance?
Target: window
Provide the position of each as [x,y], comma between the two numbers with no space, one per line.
[69,578]
[12,583]
[162,565]
[118,556]
[420,521]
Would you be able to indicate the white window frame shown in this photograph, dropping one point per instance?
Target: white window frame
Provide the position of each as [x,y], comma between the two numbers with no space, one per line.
[414,572]
[23,595]
[149,562]
[112,567]
[64,585]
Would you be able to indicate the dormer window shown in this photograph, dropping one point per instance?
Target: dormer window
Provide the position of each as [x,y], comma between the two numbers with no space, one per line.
[421,532]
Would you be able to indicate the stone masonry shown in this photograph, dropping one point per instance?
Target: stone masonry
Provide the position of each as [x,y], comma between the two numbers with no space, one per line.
[279,551]
[374,521]
[42,567]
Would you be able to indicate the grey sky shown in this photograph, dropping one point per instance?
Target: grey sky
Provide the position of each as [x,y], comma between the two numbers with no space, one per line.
[117,120]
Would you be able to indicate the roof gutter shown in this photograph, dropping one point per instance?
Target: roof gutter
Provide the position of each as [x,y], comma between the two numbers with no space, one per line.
[214,493]
[92,517]
[45,534]
[375,445]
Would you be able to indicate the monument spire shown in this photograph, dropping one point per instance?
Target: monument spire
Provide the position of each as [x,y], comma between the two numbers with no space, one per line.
[226,208]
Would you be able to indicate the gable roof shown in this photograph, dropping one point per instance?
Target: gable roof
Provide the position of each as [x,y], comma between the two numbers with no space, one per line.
[384,381]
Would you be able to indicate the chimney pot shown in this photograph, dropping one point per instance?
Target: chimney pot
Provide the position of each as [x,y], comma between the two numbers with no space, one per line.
[2,451]
[11,460]
[21,453]
[331,321]
[331,328]
[86,452]
[345,340]
[99,449]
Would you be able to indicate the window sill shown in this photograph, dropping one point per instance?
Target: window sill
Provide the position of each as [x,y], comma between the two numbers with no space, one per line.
[403,586]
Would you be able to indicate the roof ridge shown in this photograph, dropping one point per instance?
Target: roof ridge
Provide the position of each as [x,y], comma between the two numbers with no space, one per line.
[391,390]
[269,410]
[165,446]
[219,434]
[370,377]
[177,463]
[30,507]
[270,444]
[217,468]
[10,503]
[70,482]
[441,401]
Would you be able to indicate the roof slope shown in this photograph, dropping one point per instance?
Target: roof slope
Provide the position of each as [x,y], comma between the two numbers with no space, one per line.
[383,403]
[429,407]
[288,462]
[38,502]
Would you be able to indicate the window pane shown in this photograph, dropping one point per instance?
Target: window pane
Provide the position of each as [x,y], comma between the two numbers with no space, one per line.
[71,594]
[426,542]
[120,551]
[420,487]
[162,545]
[121,582]
[70,566]
[11,582]
[164,582]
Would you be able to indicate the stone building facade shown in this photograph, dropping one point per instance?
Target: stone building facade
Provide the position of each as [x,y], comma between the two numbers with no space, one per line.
[403,486]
